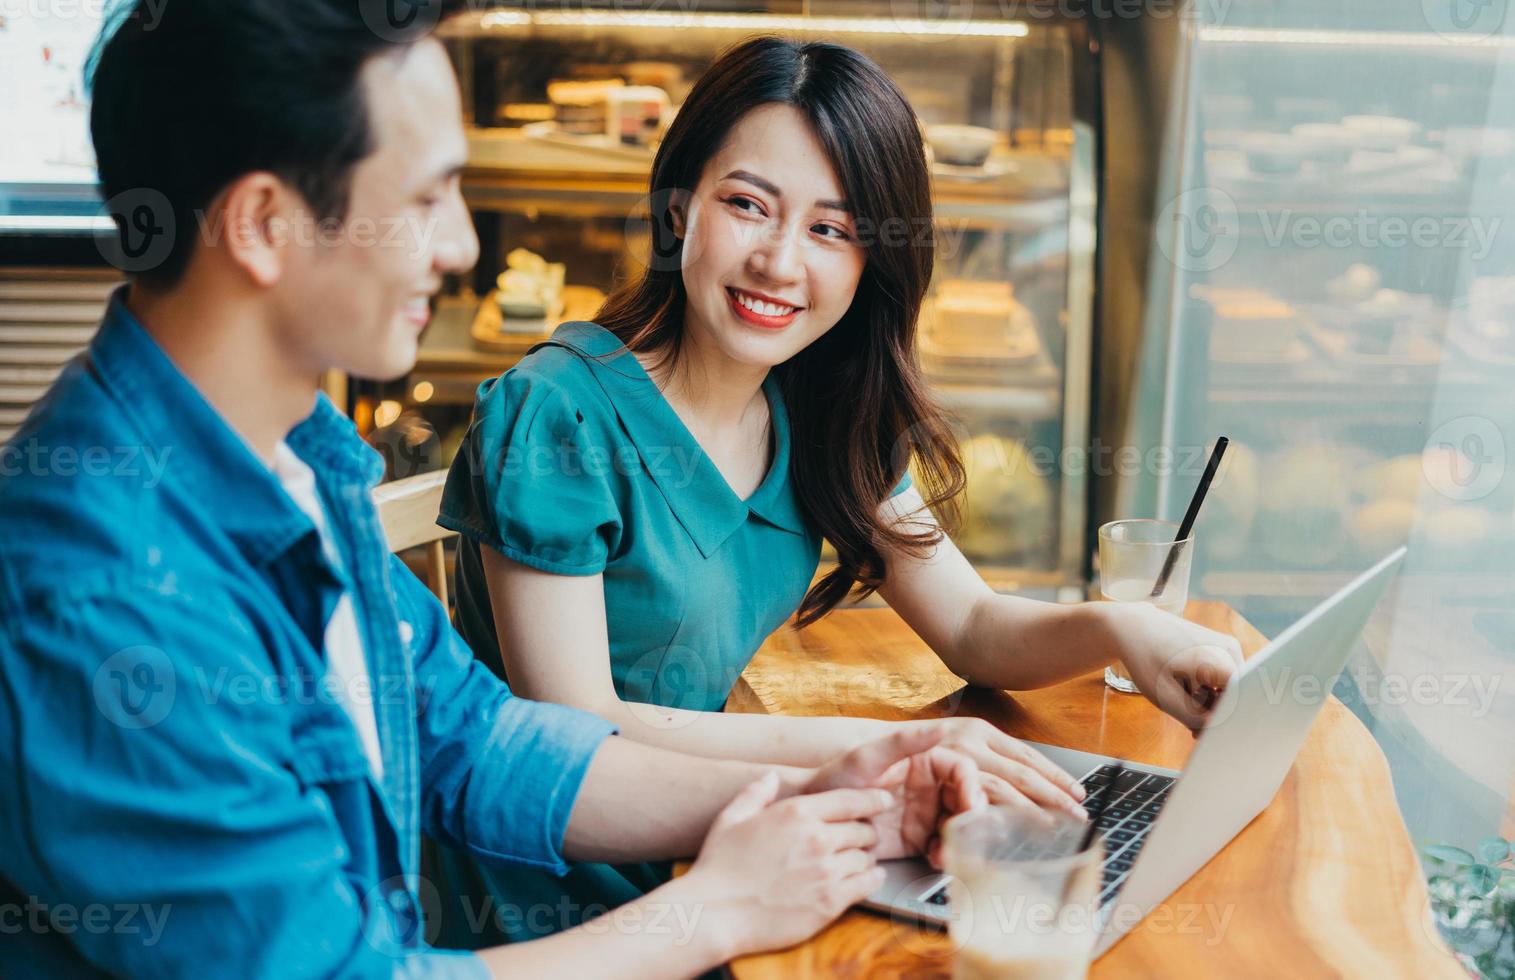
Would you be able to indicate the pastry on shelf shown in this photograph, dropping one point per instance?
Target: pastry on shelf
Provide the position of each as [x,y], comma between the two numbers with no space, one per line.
[1389,323]
[1388,329]
[973,323]
[961,146]
[530,288]
[522,113]
[637,115]
[1358,283]
[1248,326]
[582,108]
[493,332]
[666,75]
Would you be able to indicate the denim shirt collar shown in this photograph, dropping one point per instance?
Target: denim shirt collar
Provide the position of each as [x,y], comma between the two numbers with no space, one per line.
[204,452]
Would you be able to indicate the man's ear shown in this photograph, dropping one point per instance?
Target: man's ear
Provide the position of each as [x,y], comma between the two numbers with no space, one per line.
[257,213]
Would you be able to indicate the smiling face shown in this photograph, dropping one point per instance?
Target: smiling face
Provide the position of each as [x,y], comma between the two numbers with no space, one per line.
[355,299]
[770,255]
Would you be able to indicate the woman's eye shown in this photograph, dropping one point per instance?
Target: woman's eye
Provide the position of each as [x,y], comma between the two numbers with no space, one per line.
[831,232]
[744,204]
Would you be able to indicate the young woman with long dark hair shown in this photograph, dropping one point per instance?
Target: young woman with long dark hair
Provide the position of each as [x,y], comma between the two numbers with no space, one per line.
[643,499]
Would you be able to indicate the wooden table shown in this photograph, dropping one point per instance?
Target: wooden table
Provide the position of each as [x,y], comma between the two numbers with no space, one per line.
[1324,883]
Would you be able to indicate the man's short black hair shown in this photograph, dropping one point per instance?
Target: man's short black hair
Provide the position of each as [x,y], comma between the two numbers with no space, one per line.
[189,95]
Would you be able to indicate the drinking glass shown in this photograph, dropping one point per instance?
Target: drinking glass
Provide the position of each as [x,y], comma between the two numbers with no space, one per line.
[1023,889]
[1131,556]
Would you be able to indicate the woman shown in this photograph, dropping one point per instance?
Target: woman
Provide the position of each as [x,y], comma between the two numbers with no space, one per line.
[643,499]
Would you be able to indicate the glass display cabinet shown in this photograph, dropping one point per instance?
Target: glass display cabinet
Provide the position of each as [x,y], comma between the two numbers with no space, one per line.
[1333,287]
[565,109]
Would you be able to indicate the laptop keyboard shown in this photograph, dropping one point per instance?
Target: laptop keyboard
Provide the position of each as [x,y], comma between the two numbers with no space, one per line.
[1133,805]
[1134,802]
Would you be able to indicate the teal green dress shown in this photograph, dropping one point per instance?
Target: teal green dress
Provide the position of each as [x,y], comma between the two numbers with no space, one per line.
[575,464]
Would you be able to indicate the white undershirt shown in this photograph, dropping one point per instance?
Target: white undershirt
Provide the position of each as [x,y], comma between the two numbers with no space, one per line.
[347,667]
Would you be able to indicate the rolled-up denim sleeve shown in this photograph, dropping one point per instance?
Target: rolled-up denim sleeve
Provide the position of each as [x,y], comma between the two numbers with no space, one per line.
[499,774]
[136,781]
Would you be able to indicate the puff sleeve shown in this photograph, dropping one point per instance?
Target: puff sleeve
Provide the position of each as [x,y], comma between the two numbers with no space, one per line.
[531,481]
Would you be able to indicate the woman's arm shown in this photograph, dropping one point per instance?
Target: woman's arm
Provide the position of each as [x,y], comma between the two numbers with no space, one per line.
[988,639]
[555,645]
[1015,643]
[553,638]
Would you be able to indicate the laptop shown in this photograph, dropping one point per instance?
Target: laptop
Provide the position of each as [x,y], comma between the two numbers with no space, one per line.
[1161,825]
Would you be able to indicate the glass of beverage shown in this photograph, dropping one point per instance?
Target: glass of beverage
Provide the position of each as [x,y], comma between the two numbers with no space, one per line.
[1131,557]
[1023,889]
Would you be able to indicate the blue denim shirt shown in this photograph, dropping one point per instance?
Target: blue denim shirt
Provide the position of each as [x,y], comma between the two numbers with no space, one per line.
[182,793]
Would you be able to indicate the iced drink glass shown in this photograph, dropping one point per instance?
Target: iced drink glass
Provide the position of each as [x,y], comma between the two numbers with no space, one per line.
[1131,556]
[1022,891]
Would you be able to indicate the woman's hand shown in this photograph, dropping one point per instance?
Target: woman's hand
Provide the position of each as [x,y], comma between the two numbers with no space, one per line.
[775,873]
[1012,773]
[1181,667]
[928,784]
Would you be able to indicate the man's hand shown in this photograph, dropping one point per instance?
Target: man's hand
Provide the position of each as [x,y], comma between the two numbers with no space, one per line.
[1181,667]
[774,873]
[927,782]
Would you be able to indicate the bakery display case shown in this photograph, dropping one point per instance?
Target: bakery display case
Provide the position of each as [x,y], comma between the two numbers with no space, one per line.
[565,111]
[1331,284]
[1346,316]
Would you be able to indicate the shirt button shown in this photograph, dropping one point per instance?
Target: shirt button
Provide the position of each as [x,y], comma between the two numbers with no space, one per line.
[407,632]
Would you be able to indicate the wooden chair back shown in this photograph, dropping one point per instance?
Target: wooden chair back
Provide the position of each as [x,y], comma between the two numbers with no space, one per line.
[408,511]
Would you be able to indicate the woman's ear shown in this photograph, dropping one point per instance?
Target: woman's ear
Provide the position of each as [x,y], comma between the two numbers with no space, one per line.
[678,213]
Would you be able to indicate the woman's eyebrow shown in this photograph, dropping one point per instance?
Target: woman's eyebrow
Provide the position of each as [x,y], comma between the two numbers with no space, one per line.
[768,187]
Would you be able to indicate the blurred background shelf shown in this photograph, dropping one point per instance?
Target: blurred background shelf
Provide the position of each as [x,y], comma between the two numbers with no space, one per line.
[1008,352]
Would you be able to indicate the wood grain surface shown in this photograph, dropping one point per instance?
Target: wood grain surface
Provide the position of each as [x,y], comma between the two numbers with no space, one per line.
[1324,883]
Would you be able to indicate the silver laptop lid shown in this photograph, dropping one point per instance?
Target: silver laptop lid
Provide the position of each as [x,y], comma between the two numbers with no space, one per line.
[1248,745]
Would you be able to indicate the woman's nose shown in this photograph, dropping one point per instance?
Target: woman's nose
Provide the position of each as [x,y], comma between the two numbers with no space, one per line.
[779,257]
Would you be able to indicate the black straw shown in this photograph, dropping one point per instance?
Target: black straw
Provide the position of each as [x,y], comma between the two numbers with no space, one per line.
[1187,526]
[1102,800]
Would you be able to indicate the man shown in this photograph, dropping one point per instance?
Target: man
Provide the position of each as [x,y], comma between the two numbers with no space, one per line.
[226,712]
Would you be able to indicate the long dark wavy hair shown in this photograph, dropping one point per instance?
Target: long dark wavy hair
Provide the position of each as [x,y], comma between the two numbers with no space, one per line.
[857,404]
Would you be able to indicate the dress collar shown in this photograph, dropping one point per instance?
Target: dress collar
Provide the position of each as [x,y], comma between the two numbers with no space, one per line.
[699,496]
